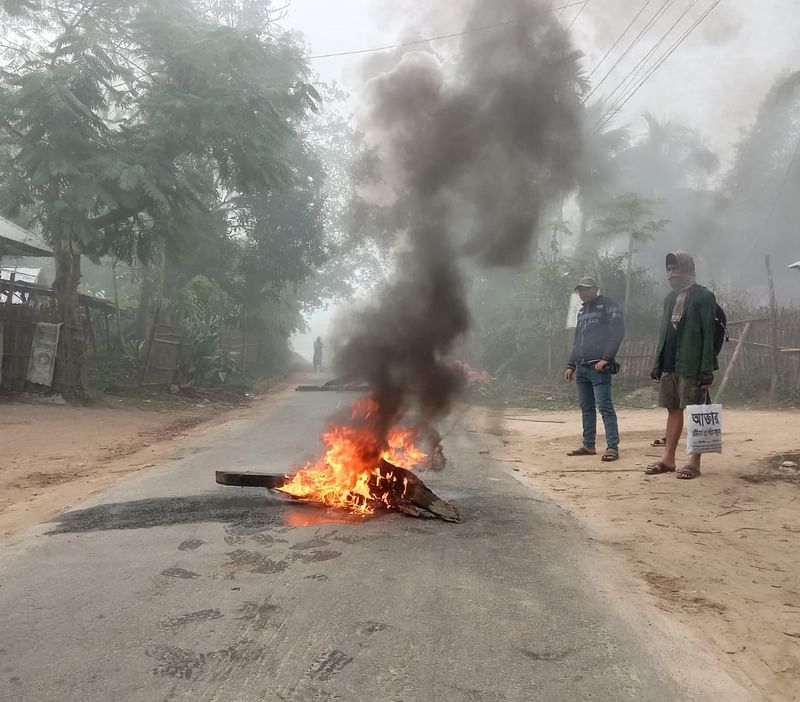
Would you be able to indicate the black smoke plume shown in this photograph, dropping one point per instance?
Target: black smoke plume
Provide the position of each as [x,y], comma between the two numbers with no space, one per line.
[471,150]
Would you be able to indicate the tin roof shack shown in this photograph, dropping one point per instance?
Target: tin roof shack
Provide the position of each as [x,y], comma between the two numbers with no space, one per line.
[26,306]
[16,242]
[23,307]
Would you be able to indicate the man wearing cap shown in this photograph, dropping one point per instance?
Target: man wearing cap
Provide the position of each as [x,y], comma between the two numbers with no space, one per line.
[598,336]
[685,358]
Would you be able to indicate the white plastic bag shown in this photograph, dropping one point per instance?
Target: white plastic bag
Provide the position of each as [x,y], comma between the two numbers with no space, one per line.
[704,429]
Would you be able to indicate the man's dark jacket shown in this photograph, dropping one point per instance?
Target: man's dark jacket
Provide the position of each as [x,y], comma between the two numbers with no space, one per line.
[695,343]
[599,333]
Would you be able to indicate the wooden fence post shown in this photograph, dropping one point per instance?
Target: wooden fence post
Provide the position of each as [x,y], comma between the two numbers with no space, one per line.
[150,343]
[773,333]
[119,341]
[729,370]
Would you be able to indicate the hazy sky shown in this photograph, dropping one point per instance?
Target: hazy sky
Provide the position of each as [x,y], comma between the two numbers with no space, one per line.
[714,81]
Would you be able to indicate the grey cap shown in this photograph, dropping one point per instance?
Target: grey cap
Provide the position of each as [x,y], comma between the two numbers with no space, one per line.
[587,282]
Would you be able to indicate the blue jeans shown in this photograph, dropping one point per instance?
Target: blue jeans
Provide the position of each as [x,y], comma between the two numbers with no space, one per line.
[594,392]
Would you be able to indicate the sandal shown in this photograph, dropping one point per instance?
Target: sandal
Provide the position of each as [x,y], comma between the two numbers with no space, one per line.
[658,469]
[583,451]
[660,443]
[688,473]
[611,454]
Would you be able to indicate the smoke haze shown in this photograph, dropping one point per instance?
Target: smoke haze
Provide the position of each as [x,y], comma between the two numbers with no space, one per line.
[471,151]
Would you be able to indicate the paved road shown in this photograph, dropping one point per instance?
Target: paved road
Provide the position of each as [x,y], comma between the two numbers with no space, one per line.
[171,588]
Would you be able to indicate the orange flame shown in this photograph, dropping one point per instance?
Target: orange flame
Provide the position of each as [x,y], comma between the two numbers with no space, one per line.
[348,475]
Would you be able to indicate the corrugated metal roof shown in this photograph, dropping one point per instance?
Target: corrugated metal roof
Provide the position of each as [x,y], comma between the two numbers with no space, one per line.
[16,241]
[26,275]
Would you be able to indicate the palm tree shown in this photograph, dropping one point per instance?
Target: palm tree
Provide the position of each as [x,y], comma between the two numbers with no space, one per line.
[670,156]
[599,169]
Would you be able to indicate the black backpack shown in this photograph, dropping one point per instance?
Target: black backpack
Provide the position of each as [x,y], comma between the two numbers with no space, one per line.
[721,334]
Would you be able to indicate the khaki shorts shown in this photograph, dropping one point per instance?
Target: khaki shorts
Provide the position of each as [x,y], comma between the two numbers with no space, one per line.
[677,391]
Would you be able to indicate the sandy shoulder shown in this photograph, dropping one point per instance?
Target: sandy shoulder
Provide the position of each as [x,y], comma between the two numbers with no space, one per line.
[54,457]
[719,553]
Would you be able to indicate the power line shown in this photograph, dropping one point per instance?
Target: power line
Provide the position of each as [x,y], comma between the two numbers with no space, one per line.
[664,57]
[634,74]
[658,65]
[473,30]
[579,13]
[658,14]
[619,38]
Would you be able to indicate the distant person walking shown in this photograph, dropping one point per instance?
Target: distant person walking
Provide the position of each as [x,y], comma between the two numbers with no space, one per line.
[318,345]
[598,335]
[685,358]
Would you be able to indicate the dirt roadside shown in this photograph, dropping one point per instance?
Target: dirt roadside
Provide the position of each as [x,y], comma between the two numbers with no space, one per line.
[719,553]
[55,456]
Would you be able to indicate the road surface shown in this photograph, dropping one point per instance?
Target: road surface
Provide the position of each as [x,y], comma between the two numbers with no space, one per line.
[169,587]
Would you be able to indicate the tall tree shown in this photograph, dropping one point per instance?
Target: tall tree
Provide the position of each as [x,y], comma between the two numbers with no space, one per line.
[670,162]
[106,122]
[669,155]
[761,209]
[600,169]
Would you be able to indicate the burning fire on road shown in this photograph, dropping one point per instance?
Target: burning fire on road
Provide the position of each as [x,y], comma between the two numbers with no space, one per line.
[361,472]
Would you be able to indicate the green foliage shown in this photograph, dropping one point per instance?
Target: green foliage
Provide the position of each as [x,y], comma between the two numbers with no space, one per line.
[520,318]
[520,333]
[205,308]
[202,298]
[285,229]
[166,126]
[206,362]
[630,215]
[141,115]
[600,170]
[133,356]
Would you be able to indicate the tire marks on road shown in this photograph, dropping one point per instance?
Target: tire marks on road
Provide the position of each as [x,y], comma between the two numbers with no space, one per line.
[190,544]
[328,665]
[259,616]
[203,615]
[254,562]
[184,664]
[180,573]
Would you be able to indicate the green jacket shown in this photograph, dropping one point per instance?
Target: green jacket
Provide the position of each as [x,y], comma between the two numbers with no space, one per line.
[695,334]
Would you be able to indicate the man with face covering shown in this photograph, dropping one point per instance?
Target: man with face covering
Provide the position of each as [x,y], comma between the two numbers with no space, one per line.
[685,360]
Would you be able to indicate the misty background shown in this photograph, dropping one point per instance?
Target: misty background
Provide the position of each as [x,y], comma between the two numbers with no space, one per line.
[714,83]
[253,175]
